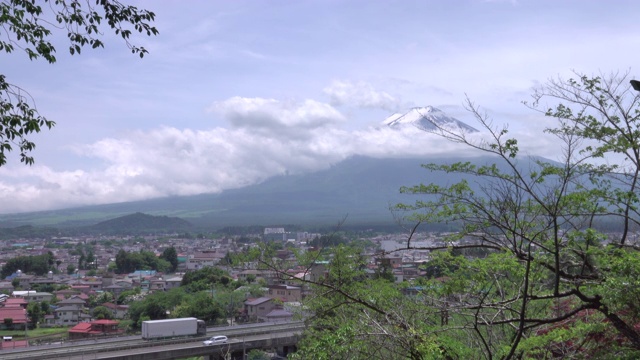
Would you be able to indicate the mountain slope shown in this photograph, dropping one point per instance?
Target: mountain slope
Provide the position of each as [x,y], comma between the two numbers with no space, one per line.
[360,188]
[139,222]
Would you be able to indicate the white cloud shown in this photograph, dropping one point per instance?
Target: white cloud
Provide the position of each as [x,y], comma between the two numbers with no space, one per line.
[360,94]
[270,116]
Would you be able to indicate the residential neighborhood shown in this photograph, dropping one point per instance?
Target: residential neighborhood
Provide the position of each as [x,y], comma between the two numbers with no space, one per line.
[89,299]
[72,291]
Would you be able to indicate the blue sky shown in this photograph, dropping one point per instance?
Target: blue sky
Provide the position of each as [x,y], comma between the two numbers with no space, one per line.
[234,92]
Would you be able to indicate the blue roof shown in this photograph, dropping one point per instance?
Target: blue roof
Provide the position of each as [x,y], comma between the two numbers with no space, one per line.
[143,273]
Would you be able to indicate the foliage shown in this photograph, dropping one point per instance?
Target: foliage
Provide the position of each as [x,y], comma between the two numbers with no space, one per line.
[201,306]
[155,306]
[229,302]
[38,265]
[101,312]
[28,28]
[543,263]
[97,300]
[206,278]
[170,255]
[177,303]
[328,240]
[128,296]
[35,313]
[127,262]
[256,354]
[71,269]
[45,307]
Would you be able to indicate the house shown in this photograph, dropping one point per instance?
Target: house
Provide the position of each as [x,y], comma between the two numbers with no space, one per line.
[15,302]
[6,287]
[85,289]
[25,280]
[318,271]
[205,258]
[119,311]
[125,283]
[115,290]
[33,296]
[389,262]
[173,282]
[139,274]
[65,294]
[277,315]
[286,293]
[94,284]
[257,309]
[66,315]
[249,274]
[74,301]
[94,329]
[157,285]
[69,311]
[18,316]
[274,234]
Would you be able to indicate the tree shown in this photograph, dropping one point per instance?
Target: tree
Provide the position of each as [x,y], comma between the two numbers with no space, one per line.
[28,28]
[101,312]
[35,313]
[205,279]
[82,262]
[70,269]
[155,306]
[39,265]
[90,261]
[551,274]
[229,302]
[45,307]
[171,255]
[98,300]
[256,354]
[143,260]
[355,316]
[201,306]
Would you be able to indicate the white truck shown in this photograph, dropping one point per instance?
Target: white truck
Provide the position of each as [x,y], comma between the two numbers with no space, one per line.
[157,329]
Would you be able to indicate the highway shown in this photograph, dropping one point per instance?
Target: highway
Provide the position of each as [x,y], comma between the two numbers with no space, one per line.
[133,347]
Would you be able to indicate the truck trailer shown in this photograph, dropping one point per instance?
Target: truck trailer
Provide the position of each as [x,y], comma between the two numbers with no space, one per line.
[157,329]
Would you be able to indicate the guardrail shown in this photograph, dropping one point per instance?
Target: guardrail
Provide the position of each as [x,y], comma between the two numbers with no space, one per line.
[66,350]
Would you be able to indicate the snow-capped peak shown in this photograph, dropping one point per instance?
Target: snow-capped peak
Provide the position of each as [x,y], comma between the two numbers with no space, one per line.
[427,118]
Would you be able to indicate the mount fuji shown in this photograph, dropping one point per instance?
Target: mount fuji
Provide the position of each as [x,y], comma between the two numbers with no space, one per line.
[429,119]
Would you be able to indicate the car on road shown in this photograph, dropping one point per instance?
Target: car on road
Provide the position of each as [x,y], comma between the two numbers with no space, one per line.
[219,339]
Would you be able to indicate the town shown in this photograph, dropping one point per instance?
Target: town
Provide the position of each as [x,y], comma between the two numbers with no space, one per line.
[84,295]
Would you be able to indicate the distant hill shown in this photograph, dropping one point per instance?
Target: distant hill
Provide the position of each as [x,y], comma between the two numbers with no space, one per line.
[27,231]
[139,223]
[360,188]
